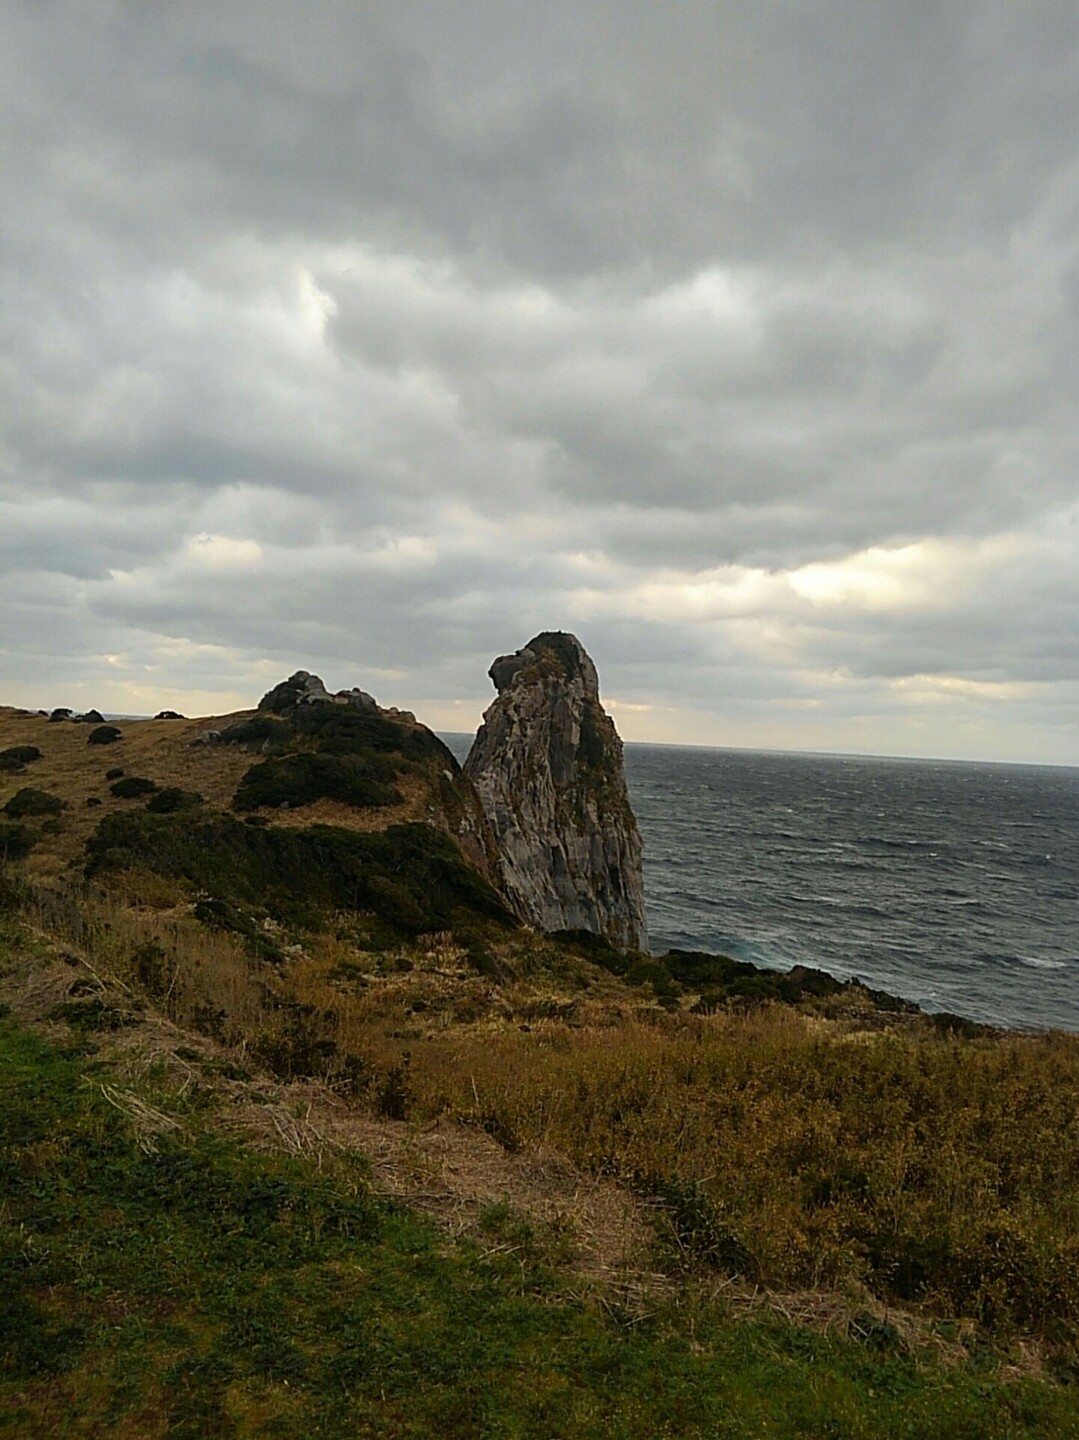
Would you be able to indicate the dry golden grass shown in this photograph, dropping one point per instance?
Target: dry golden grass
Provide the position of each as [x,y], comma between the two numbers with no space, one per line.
[819,1148]
[162,751]
[454,1173]
[800,1151]
[806,1164]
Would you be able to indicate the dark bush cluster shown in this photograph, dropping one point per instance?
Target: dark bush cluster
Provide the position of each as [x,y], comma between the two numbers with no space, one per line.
[411,877]
[720,980]
[28,801]
[171,799]
[311,775]
[259,730]
[132,787]
[344,730]
[220,914]
[16,841]
[16,757]
[104,735]
[293,1048]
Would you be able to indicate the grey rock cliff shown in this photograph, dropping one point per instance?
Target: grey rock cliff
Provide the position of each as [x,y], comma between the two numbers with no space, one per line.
[547,766]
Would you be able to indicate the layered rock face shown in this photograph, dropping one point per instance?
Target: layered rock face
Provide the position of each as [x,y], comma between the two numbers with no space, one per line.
[547,766]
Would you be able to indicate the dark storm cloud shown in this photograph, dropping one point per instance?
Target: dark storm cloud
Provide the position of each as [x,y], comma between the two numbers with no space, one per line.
[741,338]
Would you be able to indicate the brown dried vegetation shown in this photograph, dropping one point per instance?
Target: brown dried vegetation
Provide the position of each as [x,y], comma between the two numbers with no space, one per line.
[850,1160]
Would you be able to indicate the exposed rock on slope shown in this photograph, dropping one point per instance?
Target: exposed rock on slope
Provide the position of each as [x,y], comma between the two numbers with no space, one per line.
[547,766]
[303,688]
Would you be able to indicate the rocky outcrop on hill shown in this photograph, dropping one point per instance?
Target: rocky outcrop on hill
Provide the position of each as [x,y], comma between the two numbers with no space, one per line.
[547,766]
[303,688]
[344,746]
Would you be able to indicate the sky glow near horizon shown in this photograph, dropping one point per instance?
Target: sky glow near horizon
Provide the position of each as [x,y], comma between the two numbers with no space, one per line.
[740,340]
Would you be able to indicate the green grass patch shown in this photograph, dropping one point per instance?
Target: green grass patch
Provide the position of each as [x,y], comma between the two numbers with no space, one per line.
[16,841]
[191,1288]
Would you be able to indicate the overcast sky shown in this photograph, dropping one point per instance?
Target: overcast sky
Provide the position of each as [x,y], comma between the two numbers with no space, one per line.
[740,339]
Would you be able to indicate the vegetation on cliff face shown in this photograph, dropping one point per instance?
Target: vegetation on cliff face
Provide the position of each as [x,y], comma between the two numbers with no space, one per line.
[410,877]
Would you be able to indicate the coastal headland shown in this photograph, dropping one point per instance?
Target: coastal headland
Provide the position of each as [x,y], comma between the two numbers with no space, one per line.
[298,1080]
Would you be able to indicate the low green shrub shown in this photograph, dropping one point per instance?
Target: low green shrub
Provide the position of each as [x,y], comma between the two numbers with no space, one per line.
[17,756]
[647,971]
[292,1048]
[302,779]
[104,735]
[220,914]
[693,1233]
[412,877]
[171,799]
[153,968]
[132,787]
[29,801]
[258,730]
[344,730]
[91,1014]
[16,841]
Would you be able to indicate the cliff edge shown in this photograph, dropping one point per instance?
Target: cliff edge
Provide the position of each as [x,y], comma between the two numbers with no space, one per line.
[547,766]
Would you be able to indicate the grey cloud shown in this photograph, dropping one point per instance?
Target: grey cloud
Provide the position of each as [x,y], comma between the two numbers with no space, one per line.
[502,287]
[573,138]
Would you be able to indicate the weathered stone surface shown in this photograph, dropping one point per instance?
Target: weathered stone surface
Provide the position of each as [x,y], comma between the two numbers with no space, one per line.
[547,766]
[303,688]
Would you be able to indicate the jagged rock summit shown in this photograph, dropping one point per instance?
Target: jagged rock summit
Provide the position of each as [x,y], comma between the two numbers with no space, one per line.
[547,766]
[303,688]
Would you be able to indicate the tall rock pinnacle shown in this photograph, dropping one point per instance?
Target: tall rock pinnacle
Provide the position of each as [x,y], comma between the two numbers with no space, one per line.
[547,766]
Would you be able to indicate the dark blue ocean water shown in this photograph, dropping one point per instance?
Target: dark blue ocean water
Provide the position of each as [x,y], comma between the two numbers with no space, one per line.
[954,885]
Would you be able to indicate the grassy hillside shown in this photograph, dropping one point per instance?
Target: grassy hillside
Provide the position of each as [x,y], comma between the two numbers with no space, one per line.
[272,987]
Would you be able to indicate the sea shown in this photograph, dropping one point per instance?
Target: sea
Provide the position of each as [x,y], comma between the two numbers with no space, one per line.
[954,885]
